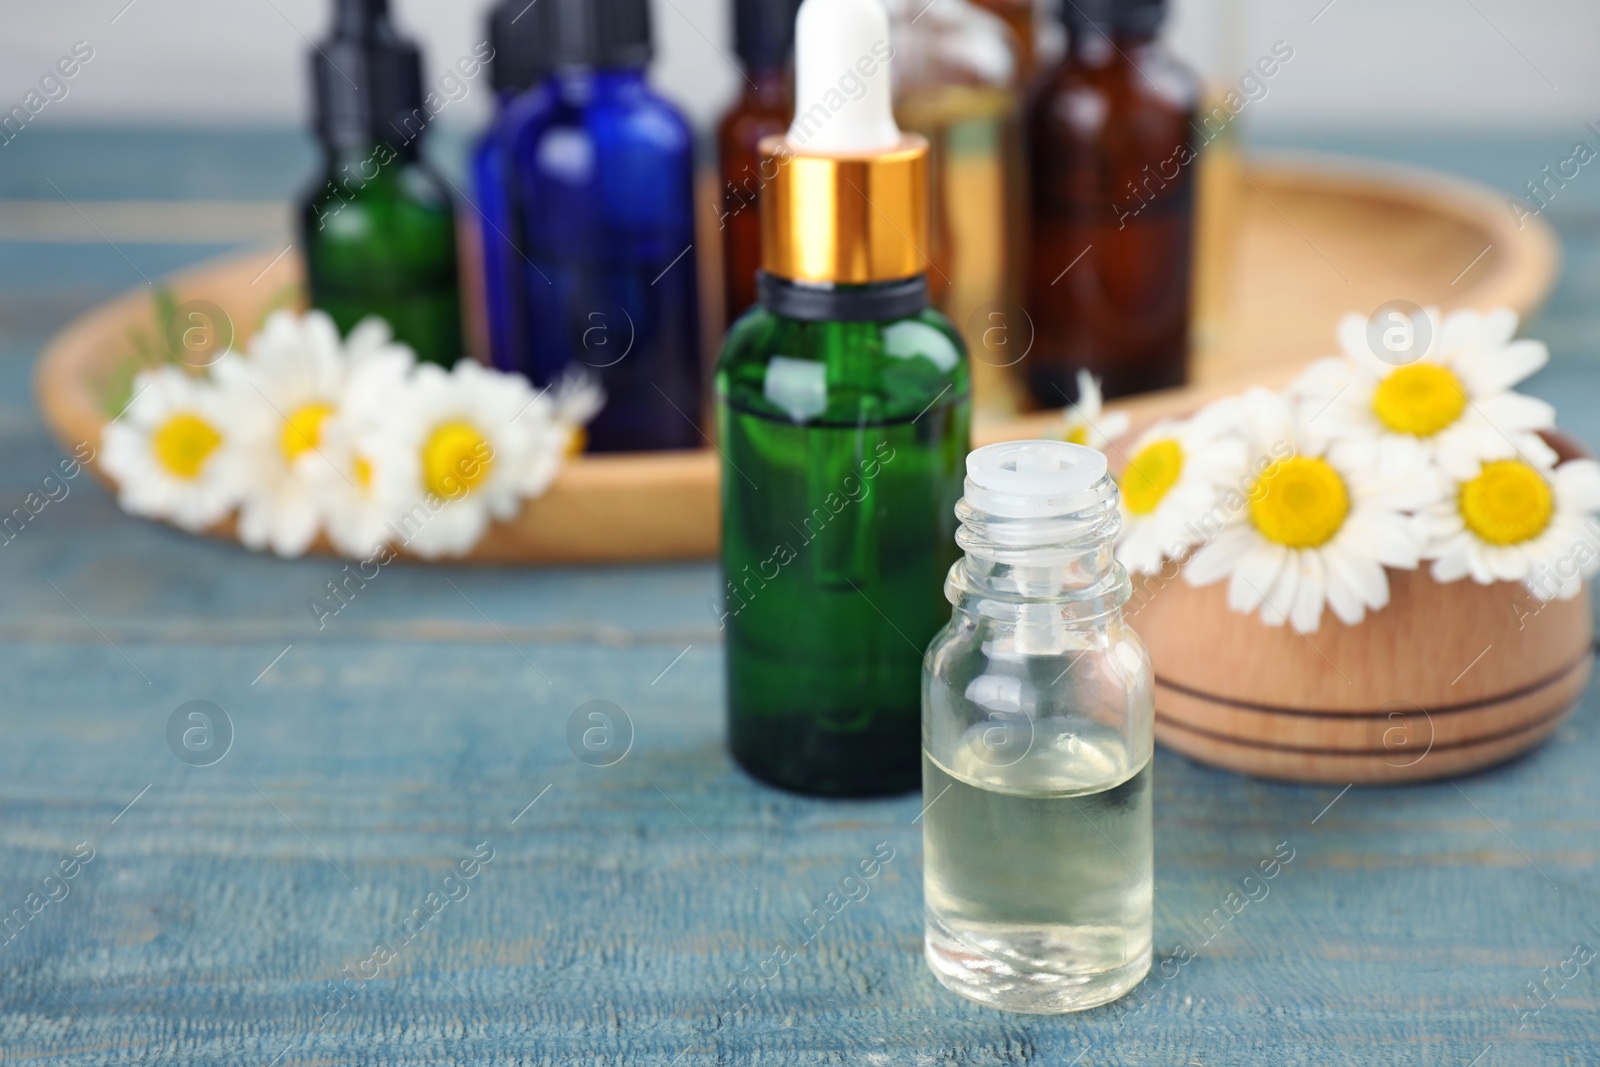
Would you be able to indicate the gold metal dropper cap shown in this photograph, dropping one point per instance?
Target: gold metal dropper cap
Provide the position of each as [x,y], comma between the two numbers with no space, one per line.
[845,219]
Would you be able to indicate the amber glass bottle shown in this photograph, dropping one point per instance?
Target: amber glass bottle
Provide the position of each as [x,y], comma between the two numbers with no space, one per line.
[1113,169]
[764,39]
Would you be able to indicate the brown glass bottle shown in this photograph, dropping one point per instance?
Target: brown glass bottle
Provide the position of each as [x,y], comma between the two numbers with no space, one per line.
[1113,190]
[764,40]
[764,109]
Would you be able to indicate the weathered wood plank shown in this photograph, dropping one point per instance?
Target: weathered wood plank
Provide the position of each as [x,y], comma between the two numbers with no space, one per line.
[622,909]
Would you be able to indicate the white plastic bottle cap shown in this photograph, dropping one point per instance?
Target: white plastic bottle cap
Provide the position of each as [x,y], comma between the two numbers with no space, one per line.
[835,42]
[1032,479]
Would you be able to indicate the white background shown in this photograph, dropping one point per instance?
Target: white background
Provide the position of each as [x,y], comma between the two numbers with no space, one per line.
[1376,65]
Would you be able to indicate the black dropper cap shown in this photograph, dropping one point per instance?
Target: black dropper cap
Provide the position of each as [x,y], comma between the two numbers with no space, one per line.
[606,34]
[763,32]
[368,79]
[519,61]
[1129,16]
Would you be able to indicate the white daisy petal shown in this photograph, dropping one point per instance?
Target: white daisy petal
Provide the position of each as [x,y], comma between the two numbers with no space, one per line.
[1512,413]
[1256,575]
[1311,594]
[1275,606]
[1577,485]
[1343,586]
[1493,370]
[1217,558]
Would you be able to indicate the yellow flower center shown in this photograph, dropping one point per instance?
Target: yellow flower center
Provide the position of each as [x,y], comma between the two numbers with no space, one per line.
[456,459]
[1299,502]
[577,442]
[302,431]
[1078,435]
[1151,475]
[1420,399]
[184,443]
[363,469]
[1507,503]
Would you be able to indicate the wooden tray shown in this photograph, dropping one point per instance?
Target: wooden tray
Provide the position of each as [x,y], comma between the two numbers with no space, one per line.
[1317,238]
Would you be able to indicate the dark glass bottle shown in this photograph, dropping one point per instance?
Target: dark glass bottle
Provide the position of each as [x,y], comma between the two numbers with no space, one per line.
[606,181]
[378,230]
[844,445]
[1113,169]
[764,40]
[517,75]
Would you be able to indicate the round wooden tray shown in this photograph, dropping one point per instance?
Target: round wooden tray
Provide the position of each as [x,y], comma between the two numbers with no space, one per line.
[1316,239]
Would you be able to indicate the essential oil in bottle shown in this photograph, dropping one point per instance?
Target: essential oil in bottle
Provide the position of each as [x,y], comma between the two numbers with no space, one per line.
[605,179]
[843,417]
[764,40]
[1037,735]
[378,230]
[1113,186]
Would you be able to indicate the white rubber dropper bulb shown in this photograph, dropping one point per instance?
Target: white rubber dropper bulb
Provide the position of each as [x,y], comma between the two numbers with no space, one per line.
[835,42]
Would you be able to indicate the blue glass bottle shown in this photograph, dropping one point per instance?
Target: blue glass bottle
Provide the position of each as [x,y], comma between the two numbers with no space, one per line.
[606,180]
[517,74]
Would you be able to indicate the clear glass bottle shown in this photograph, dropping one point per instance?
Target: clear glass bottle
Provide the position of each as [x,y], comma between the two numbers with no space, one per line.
[1020,17]
[958,82]
[1037,735]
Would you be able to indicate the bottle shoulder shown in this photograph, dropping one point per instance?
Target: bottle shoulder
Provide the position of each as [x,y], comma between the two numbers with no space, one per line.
[1149,85]
[743,125]
[897,368]
[382,182]
[641,133]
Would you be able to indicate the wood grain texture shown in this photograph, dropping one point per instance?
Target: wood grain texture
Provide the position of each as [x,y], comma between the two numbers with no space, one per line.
[1396,231]
[424,717]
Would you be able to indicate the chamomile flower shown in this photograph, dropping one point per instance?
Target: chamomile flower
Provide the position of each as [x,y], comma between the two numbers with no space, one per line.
[363,483]
[1087,422]
[1173,488]
[294,390]
[474,443]
[1514,521]
[173,451]
[1454,401]
[1316,530]
[577,399]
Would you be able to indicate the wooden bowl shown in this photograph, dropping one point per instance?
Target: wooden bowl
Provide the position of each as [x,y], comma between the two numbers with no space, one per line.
[1448,679]
[1316,239]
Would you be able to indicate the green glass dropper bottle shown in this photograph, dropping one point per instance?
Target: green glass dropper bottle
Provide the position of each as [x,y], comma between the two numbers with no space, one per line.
[843,414]
[378,229]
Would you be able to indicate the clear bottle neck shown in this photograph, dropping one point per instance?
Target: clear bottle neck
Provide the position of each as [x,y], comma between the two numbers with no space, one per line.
[1054,571]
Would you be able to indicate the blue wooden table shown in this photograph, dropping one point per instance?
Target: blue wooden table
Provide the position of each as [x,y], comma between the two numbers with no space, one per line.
[397,857]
